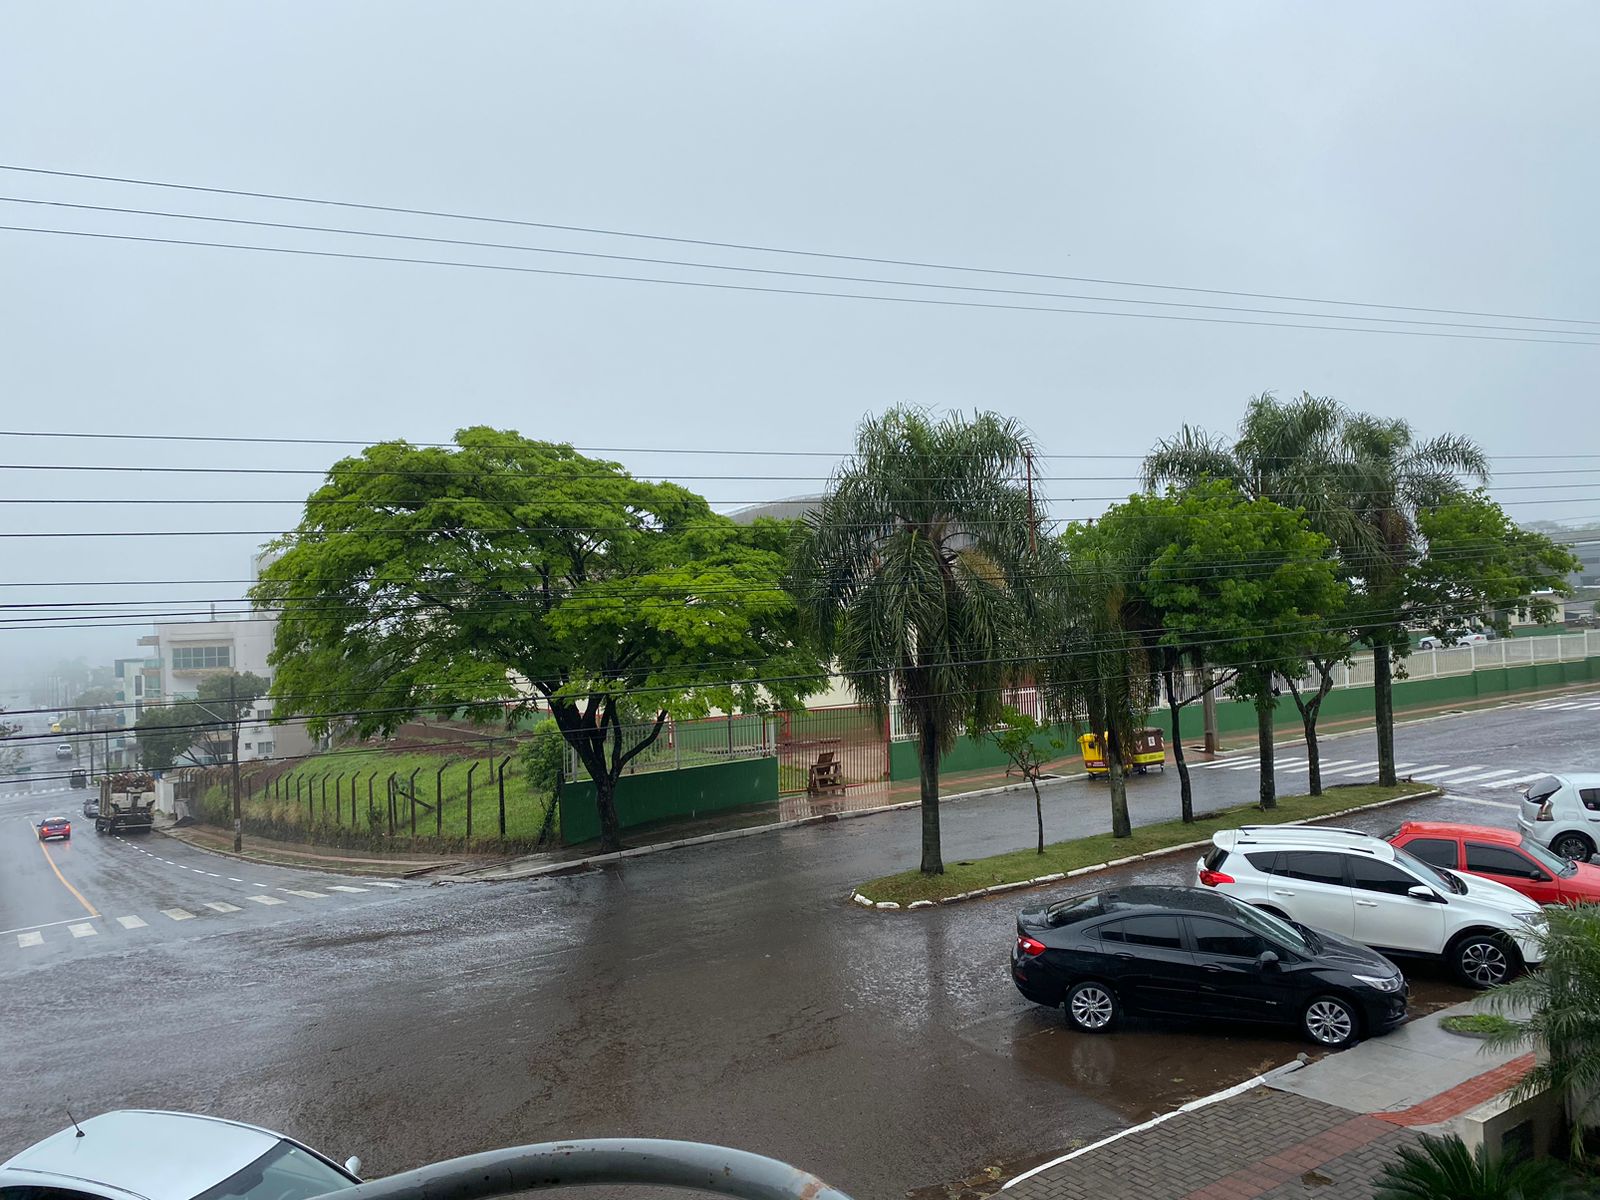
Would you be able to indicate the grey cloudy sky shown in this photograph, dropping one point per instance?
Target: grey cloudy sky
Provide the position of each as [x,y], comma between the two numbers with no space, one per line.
[1423,154]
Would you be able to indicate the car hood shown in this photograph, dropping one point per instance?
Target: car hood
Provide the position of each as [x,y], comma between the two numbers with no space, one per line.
[1349,956]
[1485,895]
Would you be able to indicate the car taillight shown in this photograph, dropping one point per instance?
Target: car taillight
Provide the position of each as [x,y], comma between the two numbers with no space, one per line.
[1545,813]
[1212,878]
[1030,947]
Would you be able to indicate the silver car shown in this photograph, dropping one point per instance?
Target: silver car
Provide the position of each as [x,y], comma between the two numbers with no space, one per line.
[145,1155]
[1563,812]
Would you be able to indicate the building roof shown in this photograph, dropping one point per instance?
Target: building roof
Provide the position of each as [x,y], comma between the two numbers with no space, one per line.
[797,506]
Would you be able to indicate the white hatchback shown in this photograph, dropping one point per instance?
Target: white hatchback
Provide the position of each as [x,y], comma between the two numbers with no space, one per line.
[1563,812]
[1360,887]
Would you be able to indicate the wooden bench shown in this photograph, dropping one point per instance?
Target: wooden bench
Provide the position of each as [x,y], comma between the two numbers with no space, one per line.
[826,774]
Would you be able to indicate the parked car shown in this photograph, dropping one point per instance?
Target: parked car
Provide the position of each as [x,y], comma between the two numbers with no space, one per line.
[1563,812]
[55,827]
[1505,856]
[172,1156]
[1434,642]
[1194,952]
[1360,887]
[91,806]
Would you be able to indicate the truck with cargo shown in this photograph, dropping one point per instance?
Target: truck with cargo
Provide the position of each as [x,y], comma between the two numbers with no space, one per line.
[127,801]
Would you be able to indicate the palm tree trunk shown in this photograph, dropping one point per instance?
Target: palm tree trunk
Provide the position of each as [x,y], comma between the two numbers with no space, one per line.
[928,775]
[1383,711]
[1038,809]
[1265,703]
[1185,789]
[1121,826]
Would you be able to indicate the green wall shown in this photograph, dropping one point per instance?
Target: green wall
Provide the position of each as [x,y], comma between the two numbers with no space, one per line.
[658,795]
[1236,717]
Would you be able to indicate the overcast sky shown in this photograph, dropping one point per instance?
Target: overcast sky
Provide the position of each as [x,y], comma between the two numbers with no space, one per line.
[1440,155]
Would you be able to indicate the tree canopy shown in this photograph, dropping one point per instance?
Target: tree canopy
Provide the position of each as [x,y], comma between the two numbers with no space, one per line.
[198,729]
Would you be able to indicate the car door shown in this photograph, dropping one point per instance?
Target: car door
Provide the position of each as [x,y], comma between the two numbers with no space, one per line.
[1309,885]
[1387,917]
[1233,984]
[1516,870]
[1149,964]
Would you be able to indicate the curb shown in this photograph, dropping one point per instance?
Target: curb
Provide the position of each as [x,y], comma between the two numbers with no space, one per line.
[1039,881]
[398,870]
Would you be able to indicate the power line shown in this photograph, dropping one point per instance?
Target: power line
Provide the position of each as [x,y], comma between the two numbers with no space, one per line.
[812,292]
[763,249]
[873,281]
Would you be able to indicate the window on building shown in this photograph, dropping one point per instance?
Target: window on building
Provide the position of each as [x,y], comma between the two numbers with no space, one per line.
[201,658]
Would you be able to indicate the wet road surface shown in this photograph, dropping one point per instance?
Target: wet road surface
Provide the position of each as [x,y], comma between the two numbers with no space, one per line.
[725,992]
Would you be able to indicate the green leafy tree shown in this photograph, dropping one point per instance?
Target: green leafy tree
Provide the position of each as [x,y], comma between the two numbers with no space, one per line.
[424,579]
[1323,650]
[1028,746]
[202,729]
[544,757]
[10,756]
[167,737]
[915,573]
[1554,1009]
[1444,1169]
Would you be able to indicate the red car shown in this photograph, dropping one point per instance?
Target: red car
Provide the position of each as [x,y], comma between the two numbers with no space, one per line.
[1504,856]
[55,827]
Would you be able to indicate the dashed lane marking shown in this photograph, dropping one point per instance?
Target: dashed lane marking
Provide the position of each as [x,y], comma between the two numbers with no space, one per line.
[178,914]
[132,922]
[25,940]
[267,900]
[231,879]
[82,929]
[339,887]
[309,895]
[221,906]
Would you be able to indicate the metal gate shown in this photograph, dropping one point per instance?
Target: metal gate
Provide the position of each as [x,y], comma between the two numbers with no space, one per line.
[830,750]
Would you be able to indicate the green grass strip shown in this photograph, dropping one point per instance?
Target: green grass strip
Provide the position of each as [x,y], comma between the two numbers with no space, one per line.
[1019,865]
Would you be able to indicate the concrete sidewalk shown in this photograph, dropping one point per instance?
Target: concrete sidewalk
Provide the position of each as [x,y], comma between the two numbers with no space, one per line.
[1322,1130]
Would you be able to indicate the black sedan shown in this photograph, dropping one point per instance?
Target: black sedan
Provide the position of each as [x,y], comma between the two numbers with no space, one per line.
[1194,952]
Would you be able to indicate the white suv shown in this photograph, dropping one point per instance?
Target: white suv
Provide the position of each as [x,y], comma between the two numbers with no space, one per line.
[1563,812]
[1359,887]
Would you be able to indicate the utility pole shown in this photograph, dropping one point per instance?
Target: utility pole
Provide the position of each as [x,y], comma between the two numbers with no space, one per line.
[238,810]
[1208,710]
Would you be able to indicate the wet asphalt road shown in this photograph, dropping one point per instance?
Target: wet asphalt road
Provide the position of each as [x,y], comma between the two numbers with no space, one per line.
[724,992]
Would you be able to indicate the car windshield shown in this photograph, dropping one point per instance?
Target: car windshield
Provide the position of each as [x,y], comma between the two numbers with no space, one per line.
[1271,927]
[286,1172]
[1442,880]
[1548,859]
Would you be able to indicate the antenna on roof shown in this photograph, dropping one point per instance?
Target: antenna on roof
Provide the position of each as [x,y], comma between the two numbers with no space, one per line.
[74,1121]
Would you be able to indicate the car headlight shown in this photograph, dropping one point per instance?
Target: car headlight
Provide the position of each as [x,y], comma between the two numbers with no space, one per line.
[1383,983]
[1535,921]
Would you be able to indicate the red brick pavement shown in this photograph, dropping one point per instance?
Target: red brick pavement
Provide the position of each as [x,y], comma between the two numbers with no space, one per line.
[1463,1096]
[1293,1161]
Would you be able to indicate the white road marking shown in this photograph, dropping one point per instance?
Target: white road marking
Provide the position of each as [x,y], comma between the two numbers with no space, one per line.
[82,929]
[231,879]
[339,887]
[266,900]
[1481,800]
[1221,764]
[220,906]
[1355,770]
[25,940]
[1480,778]
[132,922]
[1325,764]
[1245,766]
[384,883]
[1454,771]
[307,894]
[1523,778]
[1416,771]
[178,914]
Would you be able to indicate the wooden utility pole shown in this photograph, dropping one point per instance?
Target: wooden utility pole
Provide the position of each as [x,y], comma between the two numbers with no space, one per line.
[238,808]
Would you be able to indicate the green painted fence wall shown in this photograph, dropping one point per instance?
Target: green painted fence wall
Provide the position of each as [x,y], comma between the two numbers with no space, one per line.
[1236,717]
[658,795]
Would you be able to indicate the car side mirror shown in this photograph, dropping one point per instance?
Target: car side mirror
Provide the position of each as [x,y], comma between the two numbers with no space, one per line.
[1267,960]
[1424,893]
[353,1165]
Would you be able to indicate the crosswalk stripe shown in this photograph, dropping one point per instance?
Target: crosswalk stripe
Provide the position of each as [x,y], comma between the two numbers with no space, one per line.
[1524,778]
[339,887]
[1245,766]
[24,940]
[1591,707]
[219,906]
[1418,771]
[178,914]
[307,894]
[383,883]
[83,929]
[1355,770]
[132,922]
[1455,771]
[1326,764]
[266,900]
[1481,778]
[1481,800]
[1220,764]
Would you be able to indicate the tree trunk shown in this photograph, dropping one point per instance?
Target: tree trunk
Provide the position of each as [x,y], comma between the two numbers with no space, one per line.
[928,775]
[1038,809]
[1310,710]
[1185,790]
[1121,826]
[1383,711]
[1265,703]
[605,799]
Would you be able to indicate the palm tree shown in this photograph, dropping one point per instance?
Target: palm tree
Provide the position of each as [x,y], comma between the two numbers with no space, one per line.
[1444,1169]
[1555,1010]
[916,574]
[1390,477]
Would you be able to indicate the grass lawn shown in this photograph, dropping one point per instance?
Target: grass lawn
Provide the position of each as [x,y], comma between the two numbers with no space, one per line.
[1477,1024]
[1102,847]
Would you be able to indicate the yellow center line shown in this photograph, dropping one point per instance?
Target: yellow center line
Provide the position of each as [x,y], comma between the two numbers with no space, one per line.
[45,850]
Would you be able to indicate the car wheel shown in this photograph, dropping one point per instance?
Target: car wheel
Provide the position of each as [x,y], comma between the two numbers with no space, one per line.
[1482,960]
[1331,1022]
[1574,846]
[1091,1007]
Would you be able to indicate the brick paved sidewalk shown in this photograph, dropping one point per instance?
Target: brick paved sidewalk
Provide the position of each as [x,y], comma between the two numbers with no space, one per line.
[1259,1145]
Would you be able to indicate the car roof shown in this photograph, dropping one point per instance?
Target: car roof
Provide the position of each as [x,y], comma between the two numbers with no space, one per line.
[56,821]
[1578,778]
[1150,897]
[1447,829]
[142,1152]
[1303,837]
